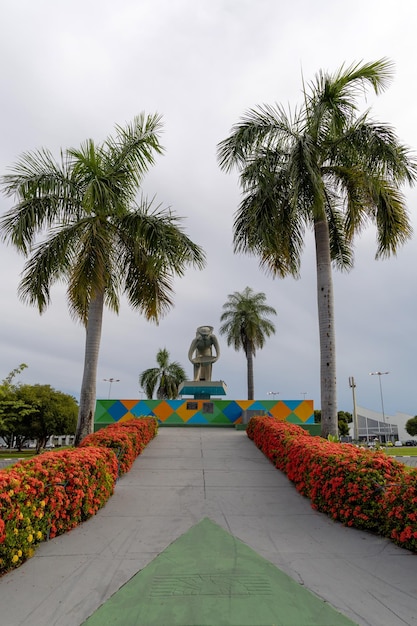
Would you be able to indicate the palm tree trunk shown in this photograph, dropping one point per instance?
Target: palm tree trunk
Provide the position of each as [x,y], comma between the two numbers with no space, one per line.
[326,330]
[87,408]
[251,386]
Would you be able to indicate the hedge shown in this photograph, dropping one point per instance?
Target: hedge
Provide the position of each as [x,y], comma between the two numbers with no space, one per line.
[52,493]
[358,487]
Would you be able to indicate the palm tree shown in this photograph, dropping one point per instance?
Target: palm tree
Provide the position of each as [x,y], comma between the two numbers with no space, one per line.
[326,168]
[76,220]
[245,324]
[166,377]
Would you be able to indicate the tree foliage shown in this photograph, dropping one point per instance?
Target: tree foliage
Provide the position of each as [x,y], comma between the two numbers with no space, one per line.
[166,378]
[327,168]
[13,412]
[246,326]
[411,426]
[343,420]
[52,412]
[34,412]
[78,220]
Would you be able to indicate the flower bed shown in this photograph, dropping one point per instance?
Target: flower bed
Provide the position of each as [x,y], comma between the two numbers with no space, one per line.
[357,487]
[52,493]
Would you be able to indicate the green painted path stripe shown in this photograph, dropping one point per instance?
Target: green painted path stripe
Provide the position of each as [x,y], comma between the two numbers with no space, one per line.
[207,577]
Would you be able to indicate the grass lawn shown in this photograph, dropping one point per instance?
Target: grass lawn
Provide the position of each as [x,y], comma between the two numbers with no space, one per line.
[404,451]
[5,453]
[13,454]
[27,454]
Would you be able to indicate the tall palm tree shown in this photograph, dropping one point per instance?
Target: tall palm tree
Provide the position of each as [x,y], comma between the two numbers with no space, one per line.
[166,378]
[245,324]
[327,168]
[75,219]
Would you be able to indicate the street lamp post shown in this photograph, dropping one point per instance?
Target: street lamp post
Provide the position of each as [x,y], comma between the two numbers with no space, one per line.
[111,381]
[273,393]
[379,374]
[352,384]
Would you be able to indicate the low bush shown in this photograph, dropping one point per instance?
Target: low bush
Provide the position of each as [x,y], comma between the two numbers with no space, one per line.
[355,486]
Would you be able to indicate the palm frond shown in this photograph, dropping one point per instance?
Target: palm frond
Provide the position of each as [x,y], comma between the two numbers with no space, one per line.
[267,225]
[148,381]
[131,151]
[44,194]
[152,249]
[378,150]
[264,127]
[92,268]
[392,221]
[341,252]
[49,263]
[332,100]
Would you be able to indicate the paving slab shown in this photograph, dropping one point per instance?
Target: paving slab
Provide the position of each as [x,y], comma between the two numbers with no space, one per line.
[185,476]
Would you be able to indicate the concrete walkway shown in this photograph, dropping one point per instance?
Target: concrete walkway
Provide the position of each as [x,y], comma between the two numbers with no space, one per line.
[183,477]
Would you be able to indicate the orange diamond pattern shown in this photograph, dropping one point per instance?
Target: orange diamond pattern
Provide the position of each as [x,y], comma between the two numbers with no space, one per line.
[186,414]
[304,410]
[280,410]
[162,410]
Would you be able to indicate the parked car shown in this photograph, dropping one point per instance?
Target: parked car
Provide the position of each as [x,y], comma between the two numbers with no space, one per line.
[398,444]
[411,442]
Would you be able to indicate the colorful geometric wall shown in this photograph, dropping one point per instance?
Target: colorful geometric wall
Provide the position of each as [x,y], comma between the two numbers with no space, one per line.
[201,412]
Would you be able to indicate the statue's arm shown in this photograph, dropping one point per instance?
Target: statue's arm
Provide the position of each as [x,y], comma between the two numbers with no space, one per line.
[191,351]
[216,347]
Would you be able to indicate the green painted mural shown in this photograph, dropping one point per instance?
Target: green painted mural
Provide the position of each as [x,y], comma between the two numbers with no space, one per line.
[193,412]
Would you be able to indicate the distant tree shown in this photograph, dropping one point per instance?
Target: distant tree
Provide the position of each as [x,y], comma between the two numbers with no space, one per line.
[343,427]
[166,378]
[343,420]
[8,381]
[53,412]
[345,415]
[77,220]
[317,416]
[411,426]
[13,412]
[15,426]
[246,326]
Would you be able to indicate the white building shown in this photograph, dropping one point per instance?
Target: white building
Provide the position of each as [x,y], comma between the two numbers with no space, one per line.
[401,419]
[371,425]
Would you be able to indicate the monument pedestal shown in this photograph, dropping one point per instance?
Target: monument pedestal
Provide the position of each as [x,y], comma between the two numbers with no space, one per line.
[202,389]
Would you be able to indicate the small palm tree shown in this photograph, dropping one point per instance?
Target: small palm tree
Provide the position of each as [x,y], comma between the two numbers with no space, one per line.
[246,326]
[327,169]
[76,220]
[166,378]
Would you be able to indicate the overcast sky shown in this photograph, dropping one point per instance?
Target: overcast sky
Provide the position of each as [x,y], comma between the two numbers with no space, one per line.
[73,70]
